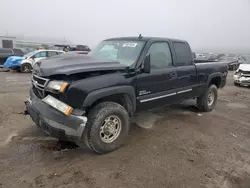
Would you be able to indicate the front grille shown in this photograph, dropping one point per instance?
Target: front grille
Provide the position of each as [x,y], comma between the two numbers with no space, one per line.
[39,84]
[245,73]
[39,80]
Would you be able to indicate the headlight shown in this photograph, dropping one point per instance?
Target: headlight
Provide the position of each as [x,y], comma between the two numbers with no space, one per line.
[57,85]
[62,107]
[238,72]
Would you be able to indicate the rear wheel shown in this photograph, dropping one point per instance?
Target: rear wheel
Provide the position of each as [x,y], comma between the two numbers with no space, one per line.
[107,127]
[26,68]
[207,101]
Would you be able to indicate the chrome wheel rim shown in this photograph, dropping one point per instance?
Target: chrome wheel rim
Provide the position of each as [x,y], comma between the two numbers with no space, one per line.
[210,98]
[110,129]
[26,68]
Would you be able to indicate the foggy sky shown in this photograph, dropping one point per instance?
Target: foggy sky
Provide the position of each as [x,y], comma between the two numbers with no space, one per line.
[222,25]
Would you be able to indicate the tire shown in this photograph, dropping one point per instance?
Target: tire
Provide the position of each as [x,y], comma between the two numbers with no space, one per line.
[26,68]
[18,69]
[204,103]
[110,112]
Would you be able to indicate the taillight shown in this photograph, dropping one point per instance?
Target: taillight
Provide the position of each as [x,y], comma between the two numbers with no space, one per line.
[83,52]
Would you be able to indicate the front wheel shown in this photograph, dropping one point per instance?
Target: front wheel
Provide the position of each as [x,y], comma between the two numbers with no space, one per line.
[26,68]
[107,127]
[207,101]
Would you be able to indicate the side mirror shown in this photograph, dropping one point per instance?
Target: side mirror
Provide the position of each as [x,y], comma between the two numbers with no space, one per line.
[147,64]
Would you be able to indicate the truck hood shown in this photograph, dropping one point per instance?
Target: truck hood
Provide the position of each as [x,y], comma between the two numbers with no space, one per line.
[244,67]
[67,65]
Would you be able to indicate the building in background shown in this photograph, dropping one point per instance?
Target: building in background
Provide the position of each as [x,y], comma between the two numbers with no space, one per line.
[7,42]
[27,44]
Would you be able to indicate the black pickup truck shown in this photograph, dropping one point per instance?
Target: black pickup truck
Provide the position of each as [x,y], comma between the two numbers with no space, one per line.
[91,98]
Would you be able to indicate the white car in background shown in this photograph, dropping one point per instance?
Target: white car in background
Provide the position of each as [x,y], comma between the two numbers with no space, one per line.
[242,74]
[31,58]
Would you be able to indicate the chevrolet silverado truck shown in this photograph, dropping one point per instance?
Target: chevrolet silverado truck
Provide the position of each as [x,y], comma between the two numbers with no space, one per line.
[90,99]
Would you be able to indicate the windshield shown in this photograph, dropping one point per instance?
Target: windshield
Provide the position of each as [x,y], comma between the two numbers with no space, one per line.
[30,53]
[126,52]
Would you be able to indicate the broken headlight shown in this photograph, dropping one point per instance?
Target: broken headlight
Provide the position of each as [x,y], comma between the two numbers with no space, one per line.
[60,106]
[238,72]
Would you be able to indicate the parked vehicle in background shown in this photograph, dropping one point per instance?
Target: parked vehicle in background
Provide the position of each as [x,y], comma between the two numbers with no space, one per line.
[71,54]
[83,48]
[64,48]
[246,59]
[242,74]
[68,48]
[215,57]
[7,52]
[91,98]
[27,50]
[77,52]
[25,63]
[232,62]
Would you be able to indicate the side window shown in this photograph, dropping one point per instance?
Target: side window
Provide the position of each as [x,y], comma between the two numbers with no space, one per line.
[183,54]
[160,55]
[58,53]
[40,54]
[51,53]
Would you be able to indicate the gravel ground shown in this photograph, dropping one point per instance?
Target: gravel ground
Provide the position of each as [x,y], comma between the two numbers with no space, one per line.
[175,147]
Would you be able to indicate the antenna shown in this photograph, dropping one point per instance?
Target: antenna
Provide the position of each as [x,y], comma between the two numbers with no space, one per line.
[140,36]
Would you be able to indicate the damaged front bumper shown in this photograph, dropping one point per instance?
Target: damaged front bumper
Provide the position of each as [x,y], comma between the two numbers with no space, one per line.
[241,79]
[54,123]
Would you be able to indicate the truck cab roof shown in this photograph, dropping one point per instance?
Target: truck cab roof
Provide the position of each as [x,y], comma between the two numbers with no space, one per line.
[146,39]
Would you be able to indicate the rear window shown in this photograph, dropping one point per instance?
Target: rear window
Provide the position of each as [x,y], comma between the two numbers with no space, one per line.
[183,54]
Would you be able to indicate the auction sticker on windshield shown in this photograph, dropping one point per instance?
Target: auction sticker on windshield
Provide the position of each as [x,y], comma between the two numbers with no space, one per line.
[129,45]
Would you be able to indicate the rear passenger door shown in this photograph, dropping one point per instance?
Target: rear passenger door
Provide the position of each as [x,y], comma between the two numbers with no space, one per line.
[39,56]
[158,87]
[52,53]
[186,70]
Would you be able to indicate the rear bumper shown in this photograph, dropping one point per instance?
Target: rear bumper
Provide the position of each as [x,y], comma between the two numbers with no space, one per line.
[53,122]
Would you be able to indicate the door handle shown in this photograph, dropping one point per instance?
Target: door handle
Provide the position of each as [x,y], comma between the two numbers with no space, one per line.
[173,75]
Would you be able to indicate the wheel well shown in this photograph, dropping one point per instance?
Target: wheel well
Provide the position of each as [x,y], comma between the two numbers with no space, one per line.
[216,81]
[122,99]
[26,63]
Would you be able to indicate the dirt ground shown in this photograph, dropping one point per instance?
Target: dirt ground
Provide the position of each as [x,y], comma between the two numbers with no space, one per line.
[175,147]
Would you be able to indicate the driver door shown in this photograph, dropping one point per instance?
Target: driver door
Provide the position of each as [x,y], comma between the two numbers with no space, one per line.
[159,86]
